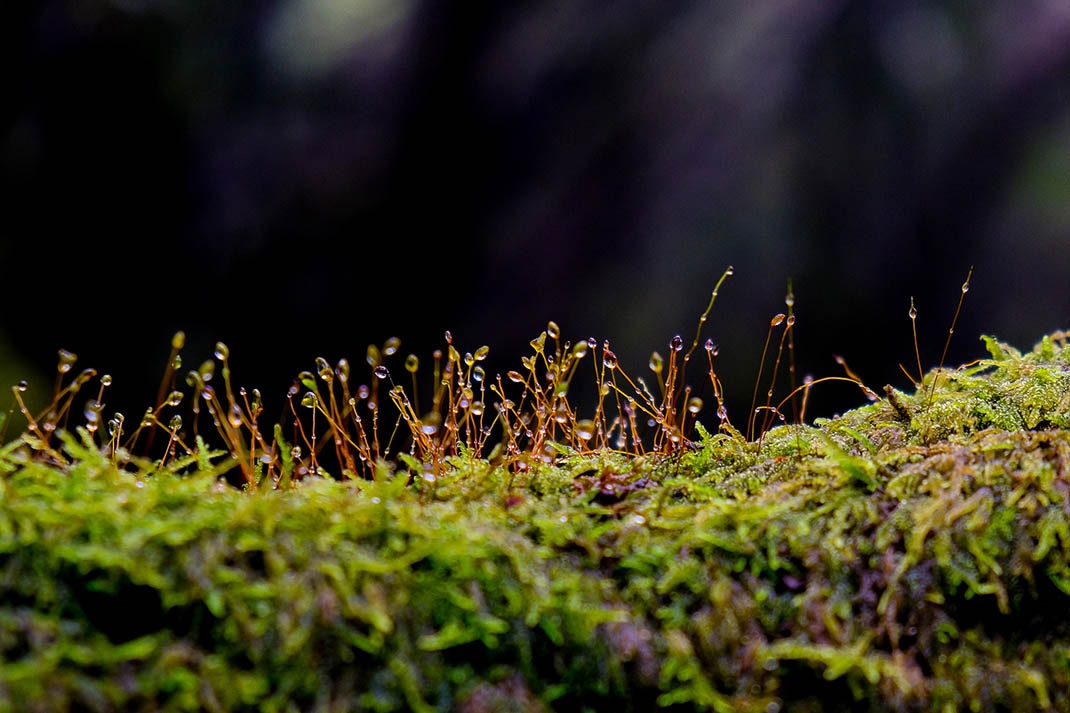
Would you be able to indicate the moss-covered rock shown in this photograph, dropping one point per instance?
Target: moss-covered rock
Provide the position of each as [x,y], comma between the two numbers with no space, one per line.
[913,554]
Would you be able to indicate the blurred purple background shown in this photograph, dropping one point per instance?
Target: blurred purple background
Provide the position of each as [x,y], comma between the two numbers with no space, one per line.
[302,177]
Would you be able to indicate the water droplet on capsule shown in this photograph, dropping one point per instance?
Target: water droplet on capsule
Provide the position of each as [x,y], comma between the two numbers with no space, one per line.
[609,359]
[553,330]
[580,350]
[381,372]
[584,430]
[176,422]
[309,400]
[482,353]
[694,405]
[776,320]
[22,386]
[730,271]
[221,351]
[66,359]
[476,409]
[391,346]
[174,398]
[677,343]
[412,363]
[656,363]
[105,380]
[913,313]
[515,376]
[234,416]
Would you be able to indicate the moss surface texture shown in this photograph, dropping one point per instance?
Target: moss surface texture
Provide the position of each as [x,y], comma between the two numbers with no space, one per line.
[913,554]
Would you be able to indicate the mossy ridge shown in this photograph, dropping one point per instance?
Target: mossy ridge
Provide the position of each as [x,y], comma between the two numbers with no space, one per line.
[903,556]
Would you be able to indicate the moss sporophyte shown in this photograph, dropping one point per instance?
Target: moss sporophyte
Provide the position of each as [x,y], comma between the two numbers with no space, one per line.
[478,545]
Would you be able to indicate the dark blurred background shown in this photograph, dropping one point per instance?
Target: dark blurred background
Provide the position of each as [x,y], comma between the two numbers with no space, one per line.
[300,178]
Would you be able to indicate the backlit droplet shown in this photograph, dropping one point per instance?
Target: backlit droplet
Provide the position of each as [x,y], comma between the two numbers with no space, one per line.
[449,337]
[391,346]
[965,287]
[709,345]
[694,405]
[476,409]
[176,422]
[176,363]
[730,271]
[677,343]
[913,313]
[412,363]
[609,359]
[22,385]
[580,350]
[478,374]
[592,343]
[381,372]
[789,299]
[221,351]
[174,398]
[105,380]
[584,430]
[363,391]
[207,370]
[553,330]
[482,352]
[514,376]
[469,359]
[66,359]
[776,320]
[234,416]
[656,363]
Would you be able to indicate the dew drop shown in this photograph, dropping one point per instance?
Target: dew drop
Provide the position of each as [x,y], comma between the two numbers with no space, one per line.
[309,400]
[965,287]
[476,409]
[609,359]
[176,422]
[553,330]
[584,430]
[234,416]
[363,392]
[427,473]
[694,405]
[469,359]
[592,343]
[381,372]
[710,346]
[730,271]
[776,320]
[514,376]
[561,414]
[174,398]
[176,363]
[482,352]
[449,337]
[105,380]
[391,346]
[221,351]
[580,350]
[913,313]
[789,299]
[677,343]
[412,363]
[478,374]
[22,385]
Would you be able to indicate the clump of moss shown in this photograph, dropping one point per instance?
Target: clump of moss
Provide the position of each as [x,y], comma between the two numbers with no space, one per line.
[913,554]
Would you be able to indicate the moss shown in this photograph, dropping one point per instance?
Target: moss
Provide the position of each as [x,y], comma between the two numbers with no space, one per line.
[913,554]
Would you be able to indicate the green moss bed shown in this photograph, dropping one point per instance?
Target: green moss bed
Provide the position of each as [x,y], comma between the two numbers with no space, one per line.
[913,554]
